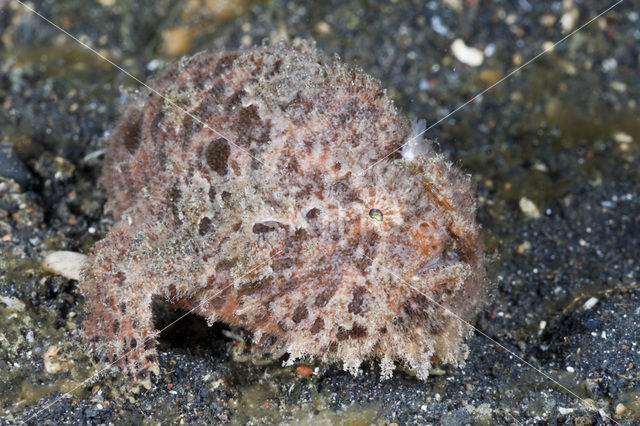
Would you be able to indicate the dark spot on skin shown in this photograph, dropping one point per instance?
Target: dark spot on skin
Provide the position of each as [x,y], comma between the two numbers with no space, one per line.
[333,346]
[260,318]
[218,301]
[317,326]
[397,321]
[251,128]
[248,117]
[205,226]
[324,297]
[382,330]
[188,127]
[120,278]
[337,165]
[224,265]
[275,69]
[173,200]
[313,213]
[212,193]
[356,332]
[299,235]
[437,326]
[344,191]
[116,326]
[131,132]
[299,314]
[217,90]
[236,227]
[260,228]
[290,164]
[234,100]
[148,344]
[123,308]
[133,343]
[255,286]
[298,108]
[149,358]
[359,298]
[342,334]
[368,243]
[281,264]
[290,285]
[224,63]
[283,325]
[217,155]
[419,308]
[226,196]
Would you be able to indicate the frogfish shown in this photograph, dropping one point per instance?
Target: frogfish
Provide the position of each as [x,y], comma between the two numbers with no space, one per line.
[280,191]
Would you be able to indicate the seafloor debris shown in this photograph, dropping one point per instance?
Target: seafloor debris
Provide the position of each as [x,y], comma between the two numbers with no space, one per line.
[287,225]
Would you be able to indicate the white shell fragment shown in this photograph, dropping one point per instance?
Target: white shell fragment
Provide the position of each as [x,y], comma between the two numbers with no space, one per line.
[65,263]
[590,303]
[467,55]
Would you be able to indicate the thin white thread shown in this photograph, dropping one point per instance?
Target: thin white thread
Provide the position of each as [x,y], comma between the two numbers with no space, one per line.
[119,68]
[513,417]
[544,52]
[146,339]
[477,330]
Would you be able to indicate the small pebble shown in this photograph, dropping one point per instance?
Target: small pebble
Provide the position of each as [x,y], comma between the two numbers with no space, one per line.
[622,137]
[569,19]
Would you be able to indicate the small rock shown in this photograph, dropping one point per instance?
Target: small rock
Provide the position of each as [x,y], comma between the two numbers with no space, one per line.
[12,303]
[323,28]
[620,408]
[523,247]
[51,363]
[547,20]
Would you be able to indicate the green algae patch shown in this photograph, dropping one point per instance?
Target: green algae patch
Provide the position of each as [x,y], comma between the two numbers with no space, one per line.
[32,371]
[262,403]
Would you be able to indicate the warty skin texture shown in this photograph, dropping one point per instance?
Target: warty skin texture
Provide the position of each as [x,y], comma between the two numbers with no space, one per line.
[272,231]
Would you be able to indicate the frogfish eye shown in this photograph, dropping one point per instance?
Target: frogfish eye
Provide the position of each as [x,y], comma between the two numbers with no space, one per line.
[375,214]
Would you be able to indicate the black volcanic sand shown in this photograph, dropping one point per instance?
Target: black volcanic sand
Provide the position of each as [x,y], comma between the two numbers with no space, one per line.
[563,133]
